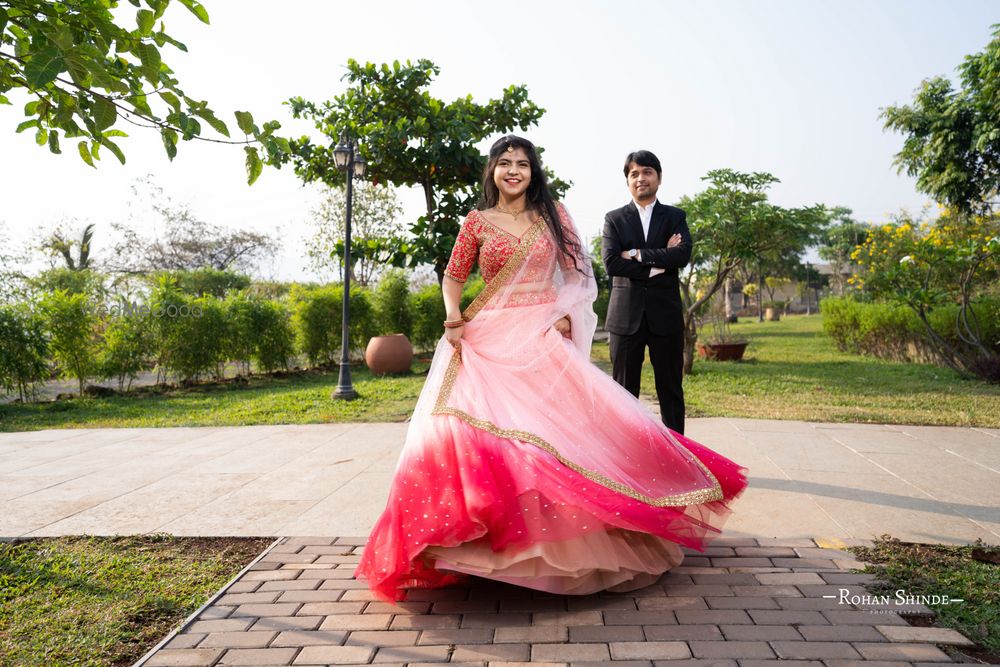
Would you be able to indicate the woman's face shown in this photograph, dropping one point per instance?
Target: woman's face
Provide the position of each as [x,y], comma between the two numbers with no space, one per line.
[512,173]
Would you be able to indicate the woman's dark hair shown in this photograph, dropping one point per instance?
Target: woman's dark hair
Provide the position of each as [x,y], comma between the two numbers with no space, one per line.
[643,159]
[538,194]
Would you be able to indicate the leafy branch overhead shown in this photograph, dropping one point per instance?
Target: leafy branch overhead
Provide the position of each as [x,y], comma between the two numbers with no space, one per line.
[952,137]
[83,73]
[410,138]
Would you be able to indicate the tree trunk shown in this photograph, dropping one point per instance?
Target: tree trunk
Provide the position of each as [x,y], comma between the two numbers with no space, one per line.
[440,265]
[690,338]
[760,295]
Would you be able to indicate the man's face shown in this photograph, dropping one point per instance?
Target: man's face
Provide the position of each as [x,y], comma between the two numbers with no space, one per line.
[643,182]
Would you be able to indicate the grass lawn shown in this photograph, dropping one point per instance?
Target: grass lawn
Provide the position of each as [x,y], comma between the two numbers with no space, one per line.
[792,370]
[969,572]
[297,398]
[107,600]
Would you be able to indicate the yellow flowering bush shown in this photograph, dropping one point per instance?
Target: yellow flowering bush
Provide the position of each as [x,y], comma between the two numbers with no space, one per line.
[927,265]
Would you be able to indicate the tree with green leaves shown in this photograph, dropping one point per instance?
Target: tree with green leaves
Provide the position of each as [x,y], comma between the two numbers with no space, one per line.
[732,224]
[952,148]
[71,324]
[952,137]
[377,231]
[410,138]
[838,242]
[927,266]
[82,73]
[24,350]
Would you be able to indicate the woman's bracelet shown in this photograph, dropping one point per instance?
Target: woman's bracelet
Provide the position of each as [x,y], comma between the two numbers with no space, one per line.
[454,324]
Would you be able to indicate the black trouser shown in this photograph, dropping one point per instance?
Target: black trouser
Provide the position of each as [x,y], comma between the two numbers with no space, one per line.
[667,355]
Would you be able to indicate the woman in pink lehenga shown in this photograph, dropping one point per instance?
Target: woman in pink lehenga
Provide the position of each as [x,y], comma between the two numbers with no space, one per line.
[523,461]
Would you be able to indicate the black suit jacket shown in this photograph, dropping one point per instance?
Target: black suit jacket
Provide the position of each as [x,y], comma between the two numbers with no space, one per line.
[633,292]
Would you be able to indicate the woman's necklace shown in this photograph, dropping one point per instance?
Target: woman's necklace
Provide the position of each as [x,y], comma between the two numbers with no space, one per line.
[513,214]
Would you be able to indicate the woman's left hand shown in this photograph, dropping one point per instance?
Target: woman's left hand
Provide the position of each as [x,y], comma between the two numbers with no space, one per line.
[562,325]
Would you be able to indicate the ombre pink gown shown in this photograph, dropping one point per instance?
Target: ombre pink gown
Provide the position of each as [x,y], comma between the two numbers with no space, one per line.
[526,463]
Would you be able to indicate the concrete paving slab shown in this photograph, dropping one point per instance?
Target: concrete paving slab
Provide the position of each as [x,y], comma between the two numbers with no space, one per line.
[829,481]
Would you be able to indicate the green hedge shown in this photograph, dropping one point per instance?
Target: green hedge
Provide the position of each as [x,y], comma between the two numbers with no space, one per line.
[183,330]
[71,324]
[427,306]
[261,332]
[894,331]
[23,350]
[393,312]
[205,282]
[126,349]
[316,318]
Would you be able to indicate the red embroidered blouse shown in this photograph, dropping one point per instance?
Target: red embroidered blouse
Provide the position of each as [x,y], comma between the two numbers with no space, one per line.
[479,240]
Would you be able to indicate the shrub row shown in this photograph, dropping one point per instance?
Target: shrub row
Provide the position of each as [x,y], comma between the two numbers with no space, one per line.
[192,329]
[191,336]
[892,331]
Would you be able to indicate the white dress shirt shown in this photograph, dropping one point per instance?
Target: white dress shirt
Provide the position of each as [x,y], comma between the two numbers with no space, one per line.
[645,215]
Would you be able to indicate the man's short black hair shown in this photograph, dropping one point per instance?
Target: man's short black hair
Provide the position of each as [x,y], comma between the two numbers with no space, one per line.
[643,159]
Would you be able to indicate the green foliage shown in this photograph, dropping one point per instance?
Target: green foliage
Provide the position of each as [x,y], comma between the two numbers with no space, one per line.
[100,601]
[207,281]
[603,281]
[192,334]
[879,329]
[600,272]
[733,225]
[427,306]
[392,304]
[952,137]
[261,331]
[601,303]
[793,372]
[473,286]
[410,138]
[836,244]
[71,323]
[894,331]
[274,336]
[23,350]
[84,72]
[80,281]
[126,348]
[377,233]
[927,266]
[965,571]
[316,319]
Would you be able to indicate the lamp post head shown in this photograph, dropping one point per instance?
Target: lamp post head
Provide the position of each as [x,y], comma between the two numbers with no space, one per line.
[341,154]
[359,165]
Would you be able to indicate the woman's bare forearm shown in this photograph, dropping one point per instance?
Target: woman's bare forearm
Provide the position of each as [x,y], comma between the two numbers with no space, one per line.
[451,290]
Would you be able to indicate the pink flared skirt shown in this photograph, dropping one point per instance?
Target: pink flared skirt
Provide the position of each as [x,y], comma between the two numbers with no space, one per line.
[526,463]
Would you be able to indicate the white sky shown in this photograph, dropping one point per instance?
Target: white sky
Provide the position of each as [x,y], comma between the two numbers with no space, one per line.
[792,87]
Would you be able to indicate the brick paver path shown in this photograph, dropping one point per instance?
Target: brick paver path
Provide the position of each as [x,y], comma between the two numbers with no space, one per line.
[742,602]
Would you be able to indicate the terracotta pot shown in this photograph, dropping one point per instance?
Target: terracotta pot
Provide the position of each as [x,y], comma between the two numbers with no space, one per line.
[389,354]
[772,314]
[722,351]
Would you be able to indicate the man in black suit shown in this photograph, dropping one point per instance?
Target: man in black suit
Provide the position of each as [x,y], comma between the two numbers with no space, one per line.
[645,245]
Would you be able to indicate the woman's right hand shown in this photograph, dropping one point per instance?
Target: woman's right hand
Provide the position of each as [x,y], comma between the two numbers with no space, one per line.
[454,335]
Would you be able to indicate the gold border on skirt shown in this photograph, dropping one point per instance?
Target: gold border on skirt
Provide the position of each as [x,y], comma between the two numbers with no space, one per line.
[441,407]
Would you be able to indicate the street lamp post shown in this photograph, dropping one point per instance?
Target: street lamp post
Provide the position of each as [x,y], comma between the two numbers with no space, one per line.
[347,159]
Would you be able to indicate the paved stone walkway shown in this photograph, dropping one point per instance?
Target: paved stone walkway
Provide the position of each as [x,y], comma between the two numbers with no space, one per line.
[743,602]
[919,483]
